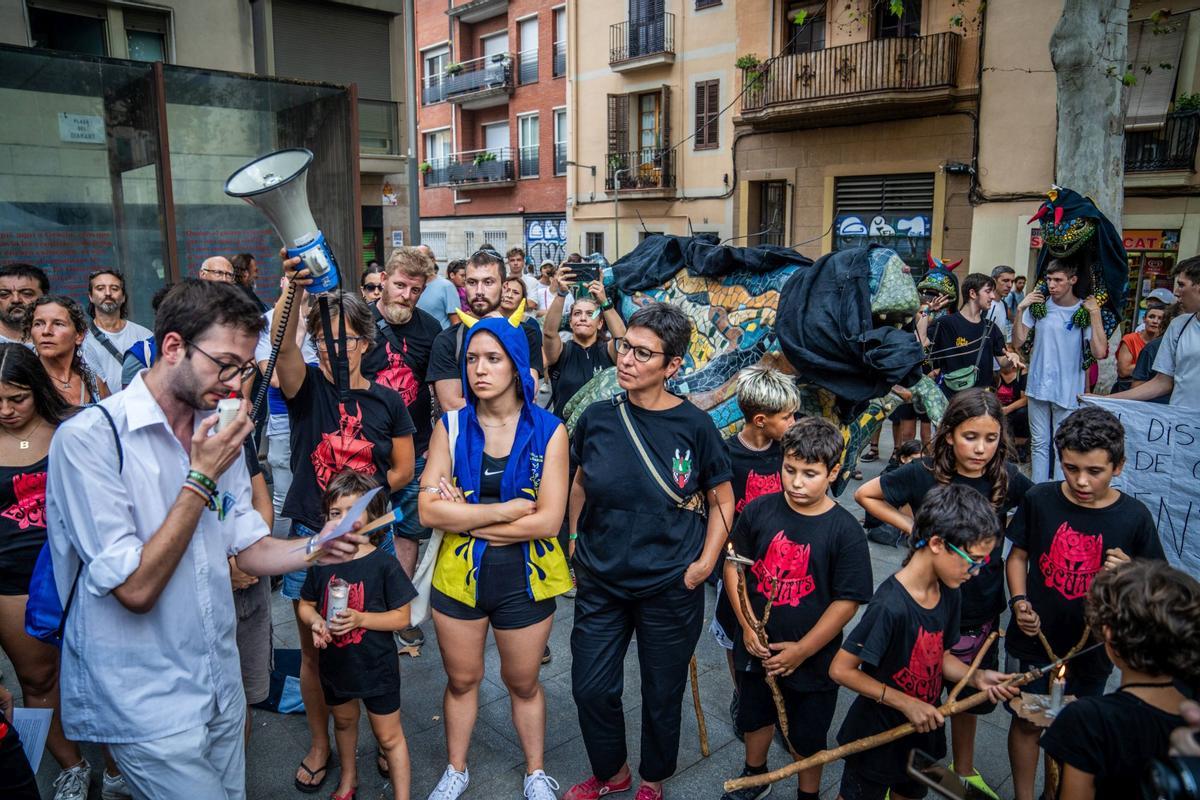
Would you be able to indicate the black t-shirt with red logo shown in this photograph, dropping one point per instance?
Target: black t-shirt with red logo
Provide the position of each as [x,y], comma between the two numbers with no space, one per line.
[901,644]
[403,365]
[361,663]
[1066,544]
[811,561]
[22,523]
[329,436]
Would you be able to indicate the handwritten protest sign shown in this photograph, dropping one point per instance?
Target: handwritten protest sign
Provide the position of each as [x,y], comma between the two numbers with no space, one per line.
[1162,469]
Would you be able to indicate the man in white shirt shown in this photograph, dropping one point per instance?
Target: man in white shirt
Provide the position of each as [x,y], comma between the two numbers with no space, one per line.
[109,334]
[140,538]
[1056,374]
[997,312]
[515,258]
[1177,365]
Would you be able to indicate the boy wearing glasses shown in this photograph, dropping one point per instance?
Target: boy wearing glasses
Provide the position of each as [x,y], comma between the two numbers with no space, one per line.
[1063,535]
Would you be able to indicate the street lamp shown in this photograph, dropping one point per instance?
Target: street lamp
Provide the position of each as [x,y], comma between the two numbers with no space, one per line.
[617,212]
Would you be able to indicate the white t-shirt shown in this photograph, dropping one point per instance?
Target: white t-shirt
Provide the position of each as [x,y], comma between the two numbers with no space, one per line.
[545,297]
[1055,374]
[1179,357]
[102,362]
[277,419]
[998,314]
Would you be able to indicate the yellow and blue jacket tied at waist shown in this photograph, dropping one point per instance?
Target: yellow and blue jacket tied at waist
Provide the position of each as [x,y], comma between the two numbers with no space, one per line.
[456,573]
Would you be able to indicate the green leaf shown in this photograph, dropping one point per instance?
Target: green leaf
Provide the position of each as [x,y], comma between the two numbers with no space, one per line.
[1129,79]
[896,7]
[800,17]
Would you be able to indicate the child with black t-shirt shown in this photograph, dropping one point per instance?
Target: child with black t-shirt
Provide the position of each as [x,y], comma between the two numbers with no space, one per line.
[897,657]
[1148,615]
[768,400]
[812,565]
[359,658]
[1063,534]
[969,449]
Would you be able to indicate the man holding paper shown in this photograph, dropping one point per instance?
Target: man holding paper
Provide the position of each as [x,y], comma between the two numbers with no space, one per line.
[142,511]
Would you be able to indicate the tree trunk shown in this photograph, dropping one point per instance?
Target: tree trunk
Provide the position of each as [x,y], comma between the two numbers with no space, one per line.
[1088,50]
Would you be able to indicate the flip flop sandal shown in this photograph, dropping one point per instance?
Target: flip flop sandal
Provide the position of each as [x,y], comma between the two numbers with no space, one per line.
[347,796]
[312,788]
[381,765]
[872,454]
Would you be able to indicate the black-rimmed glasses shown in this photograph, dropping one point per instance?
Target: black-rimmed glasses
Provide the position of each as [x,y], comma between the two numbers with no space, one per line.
[226,370]
[642,354]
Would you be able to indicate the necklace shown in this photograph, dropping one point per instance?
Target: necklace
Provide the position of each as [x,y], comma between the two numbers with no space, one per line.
[24,443]
[502,424]
[1145,685]
[64,384]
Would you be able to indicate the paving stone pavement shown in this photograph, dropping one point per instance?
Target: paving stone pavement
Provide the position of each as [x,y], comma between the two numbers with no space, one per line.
[278,742]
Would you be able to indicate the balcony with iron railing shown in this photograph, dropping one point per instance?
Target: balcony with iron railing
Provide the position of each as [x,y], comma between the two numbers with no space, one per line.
[648,170]
[474,169]
[1169,148]
[480,82]
[472,11]
[433,89]
[378,128]
[866,81]
[560,59]
[527,161]
[634,44]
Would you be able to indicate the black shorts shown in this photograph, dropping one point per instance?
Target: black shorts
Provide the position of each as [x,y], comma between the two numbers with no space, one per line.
[905,412]
[970,640]
[856,787]
[503,593]
[15,581]
[379,704]
[809,713]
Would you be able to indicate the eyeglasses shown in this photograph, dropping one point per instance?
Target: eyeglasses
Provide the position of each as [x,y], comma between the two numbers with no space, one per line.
[642,354]
[372,287]
[224,275]
[226,370]
[352,343]
[974,564]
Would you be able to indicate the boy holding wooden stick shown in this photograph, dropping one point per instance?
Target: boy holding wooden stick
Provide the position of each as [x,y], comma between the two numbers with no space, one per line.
[1063,534]
[811,571]
[897,656]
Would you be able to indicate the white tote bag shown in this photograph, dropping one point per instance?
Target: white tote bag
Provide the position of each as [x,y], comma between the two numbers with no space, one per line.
[423,576]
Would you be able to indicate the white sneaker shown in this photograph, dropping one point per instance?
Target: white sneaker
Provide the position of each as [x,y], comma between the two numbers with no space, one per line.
[114,788]
[540,786]
[451,786]
[72,783]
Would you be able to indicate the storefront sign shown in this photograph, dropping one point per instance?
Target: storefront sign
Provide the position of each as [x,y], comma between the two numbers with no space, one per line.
[1162,469]
[80,129]
[1151,240]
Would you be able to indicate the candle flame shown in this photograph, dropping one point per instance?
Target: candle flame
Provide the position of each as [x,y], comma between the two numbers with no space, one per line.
[1062,672]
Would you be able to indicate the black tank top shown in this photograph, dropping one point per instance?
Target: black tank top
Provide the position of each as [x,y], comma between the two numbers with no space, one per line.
[575,367]
[491,473]
[22,516]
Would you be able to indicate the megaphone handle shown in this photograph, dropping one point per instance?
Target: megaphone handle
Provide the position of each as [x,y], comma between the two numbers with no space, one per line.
[276,341]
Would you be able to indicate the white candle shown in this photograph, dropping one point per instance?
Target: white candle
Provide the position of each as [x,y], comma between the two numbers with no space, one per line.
[1058,685]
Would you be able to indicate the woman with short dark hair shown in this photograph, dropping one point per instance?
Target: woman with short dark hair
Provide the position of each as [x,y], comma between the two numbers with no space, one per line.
[650,508]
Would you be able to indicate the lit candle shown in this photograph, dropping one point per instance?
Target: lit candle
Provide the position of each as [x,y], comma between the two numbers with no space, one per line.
[1058,685]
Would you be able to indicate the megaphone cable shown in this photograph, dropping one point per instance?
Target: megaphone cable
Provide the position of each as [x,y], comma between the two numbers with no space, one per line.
[276,341]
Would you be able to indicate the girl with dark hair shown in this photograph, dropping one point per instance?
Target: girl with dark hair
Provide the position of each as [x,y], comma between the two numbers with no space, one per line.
[970,448]
[30,411]
[56,326]
[574,363]
[1148,616]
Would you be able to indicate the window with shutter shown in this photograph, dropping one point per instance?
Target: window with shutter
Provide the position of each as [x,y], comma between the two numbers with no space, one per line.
[1148,49]
[618,123]
[893,210]
[893,26]
[665,104]
[708,107]
[334,43]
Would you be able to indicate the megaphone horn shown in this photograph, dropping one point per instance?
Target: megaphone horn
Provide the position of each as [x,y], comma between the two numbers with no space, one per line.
[276,184]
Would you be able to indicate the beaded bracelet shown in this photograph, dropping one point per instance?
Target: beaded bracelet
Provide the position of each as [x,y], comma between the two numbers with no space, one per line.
[205,495]
[203,480]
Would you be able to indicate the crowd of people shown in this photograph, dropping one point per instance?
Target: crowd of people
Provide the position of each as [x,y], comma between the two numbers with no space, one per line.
[420,469]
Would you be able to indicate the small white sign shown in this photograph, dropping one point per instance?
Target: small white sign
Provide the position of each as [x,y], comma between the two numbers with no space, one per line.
[397,238]
[80,128]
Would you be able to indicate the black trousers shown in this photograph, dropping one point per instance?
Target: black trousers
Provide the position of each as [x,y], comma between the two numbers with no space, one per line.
[668,626]
[16,778]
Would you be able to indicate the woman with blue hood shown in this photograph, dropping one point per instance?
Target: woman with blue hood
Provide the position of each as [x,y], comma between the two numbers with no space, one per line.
[496,483]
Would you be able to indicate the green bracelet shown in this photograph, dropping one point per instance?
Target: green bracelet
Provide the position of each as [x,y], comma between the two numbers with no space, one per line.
[572,536]
[606,305]
[203,480]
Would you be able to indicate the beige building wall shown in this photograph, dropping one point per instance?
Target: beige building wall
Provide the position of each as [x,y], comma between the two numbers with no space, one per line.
[704,50]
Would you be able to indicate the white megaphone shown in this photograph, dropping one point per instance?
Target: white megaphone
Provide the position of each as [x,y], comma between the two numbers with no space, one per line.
[275,184]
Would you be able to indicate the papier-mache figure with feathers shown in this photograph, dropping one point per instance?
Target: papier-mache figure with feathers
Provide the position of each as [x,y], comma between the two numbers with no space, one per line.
[1074,231]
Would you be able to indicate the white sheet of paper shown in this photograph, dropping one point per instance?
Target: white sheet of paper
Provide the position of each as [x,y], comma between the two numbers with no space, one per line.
[33,726]
[347,522]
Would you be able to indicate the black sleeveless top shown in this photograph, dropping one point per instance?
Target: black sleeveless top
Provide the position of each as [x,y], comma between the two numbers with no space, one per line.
[575,367]
[22,518]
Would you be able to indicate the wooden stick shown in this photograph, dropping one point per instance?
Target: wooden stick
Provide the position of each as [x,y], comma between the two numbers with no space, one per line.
[869,742]
[692,673]
[975,662]
[760,630]
[1087,634]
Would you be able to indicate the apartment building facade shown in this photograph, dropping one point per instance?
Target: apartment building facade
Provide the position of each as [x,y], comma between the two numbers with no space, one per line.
[651,150]
[492,123]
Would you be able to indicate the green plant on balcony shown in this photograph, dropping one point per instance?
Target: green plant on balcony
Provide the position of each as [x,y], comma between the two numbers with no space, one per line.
[1188,102]
[424,166]
[454,69]
[484,157]
[753,69]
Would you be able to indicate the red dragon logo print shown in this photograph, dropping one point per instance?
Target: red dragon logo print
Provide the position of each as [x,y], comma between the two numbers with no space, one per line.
[758,485]
[1073,561]
[346,449]
[30,508]
[922,678]
[786,566]
[397,375]
[355,600]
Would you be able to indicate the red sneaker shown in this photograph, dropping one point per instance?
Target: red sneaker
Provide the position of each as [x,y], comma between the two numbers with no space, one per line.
[644,792]
[594,788]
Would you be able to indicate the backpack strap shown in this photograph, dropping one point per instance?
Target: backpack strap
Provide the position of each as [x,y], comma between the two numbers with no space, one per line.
[386,329]
[62,625]
[105,342]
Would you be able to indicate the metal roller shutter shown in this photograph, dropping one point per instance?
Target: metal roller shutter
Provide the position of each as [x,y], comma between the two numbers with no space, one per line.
[884,194]
[333,43]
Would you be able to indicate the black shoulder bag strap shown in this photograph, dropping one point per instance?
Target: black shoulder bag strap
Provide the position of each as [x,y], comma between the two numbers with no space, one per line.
[105,342]
[62,624]
[385,328]
[691,503]
[336,348]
